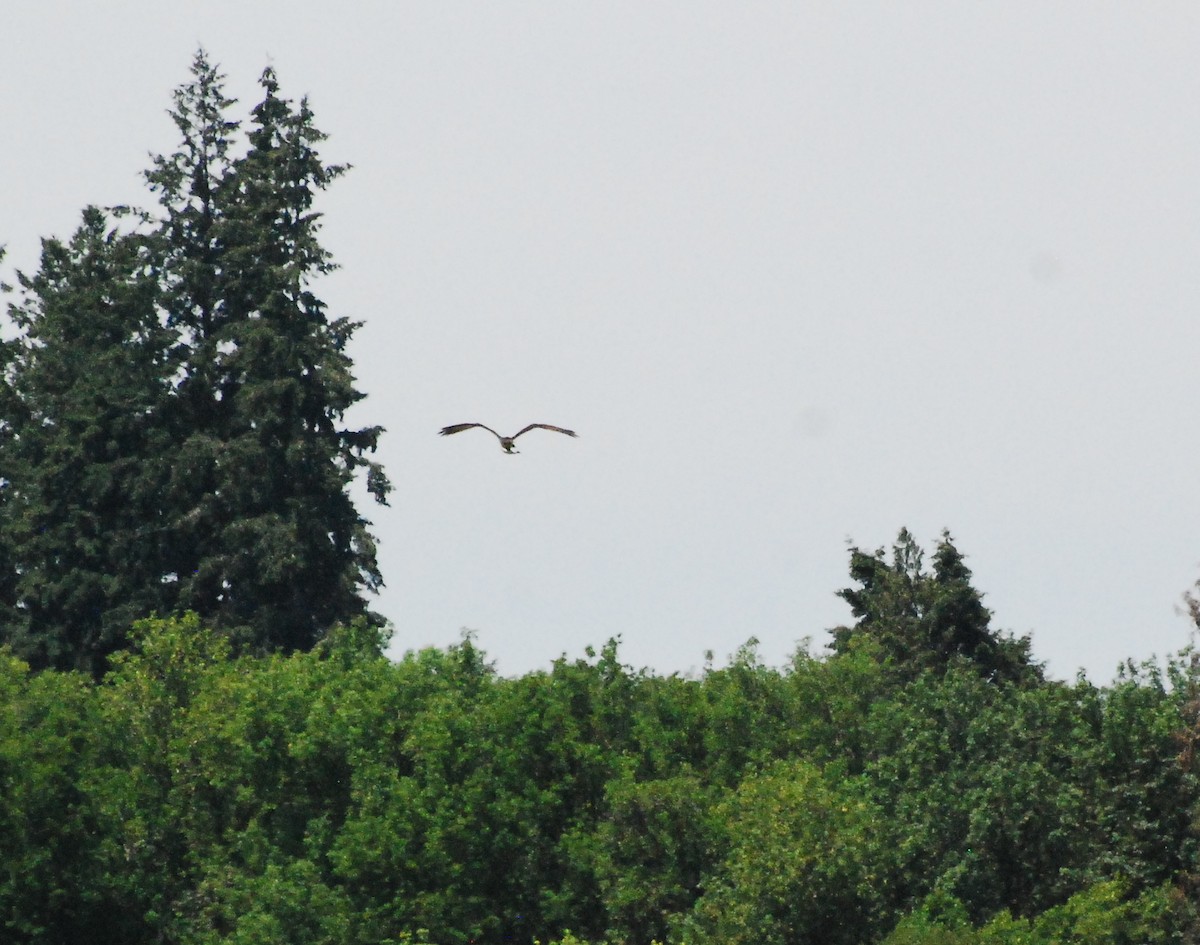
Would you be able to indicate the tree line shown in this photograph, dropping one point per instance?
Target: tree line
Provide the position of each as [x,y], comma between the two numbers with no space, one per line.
[334,796]
[201,741]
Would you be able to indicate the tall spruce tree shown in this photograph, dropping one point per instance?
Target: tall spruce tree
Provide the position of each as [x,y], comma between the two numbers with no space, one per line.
[174,402]
[265,535]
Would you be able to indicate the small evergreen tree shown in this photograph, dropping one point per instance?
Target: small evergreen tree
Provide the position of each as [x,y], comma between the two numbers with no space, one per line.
[922,620]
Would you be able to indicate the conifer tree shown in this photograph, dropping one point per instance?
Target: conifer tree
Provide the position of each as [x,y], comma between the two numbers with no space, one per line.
[83,449]
[265,535]
[921,620]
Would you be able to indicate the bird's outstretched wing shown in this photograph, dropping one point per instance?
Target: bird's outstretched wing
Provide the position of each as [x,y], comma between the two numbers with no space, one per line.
[545,426]
[459,427]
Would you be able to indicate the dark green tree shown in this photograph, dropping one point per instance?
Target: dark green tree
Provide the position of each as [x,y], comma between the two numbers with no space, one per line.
[924,620]
[83,448]
[263,532]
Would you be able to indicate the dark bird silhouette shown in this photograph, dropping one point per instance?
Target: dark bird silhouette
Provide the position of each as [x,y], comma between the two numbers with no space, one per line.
[507,442]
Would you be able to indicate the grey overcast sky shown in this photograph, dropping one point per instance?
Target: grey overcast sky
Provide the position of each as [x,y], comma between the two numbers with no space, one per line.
[800,274]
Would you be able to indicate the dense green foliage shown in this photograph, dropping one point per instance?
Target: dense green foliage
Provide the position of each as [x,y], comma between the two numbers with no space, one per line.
[172,404]
[333,796]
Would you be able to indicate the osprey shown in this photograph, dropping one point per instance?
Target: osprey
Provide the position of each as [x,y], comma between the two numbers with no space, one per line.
[505,441]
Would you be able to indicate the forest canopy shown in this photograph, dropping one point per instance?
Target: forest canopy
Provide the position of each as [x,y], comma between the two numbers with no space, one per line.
[335,796]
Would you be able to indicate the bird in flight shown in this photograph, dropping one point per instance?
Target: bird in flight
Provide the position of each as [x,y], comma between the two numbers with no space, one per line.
[507,442]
